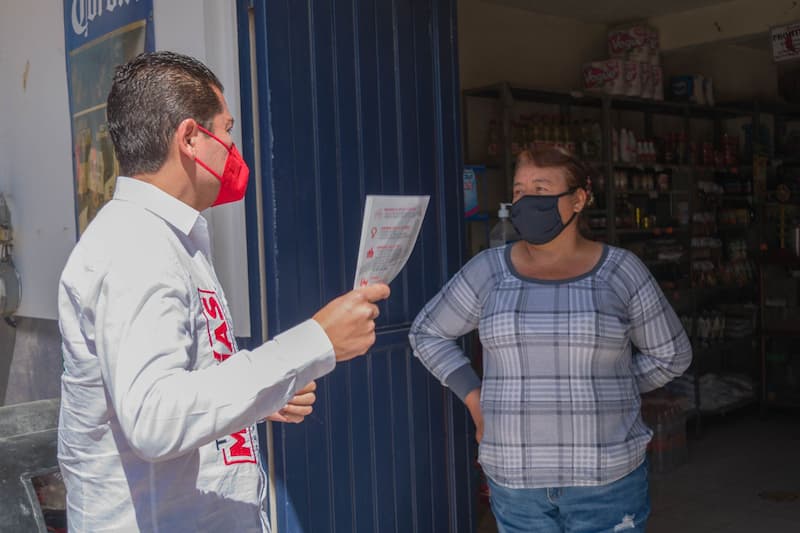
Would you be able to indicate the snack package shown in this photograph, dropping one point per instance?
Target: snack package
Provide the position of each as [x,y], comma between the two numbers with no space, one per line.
[632,78]
[646,73]
[604,76]
[638,42]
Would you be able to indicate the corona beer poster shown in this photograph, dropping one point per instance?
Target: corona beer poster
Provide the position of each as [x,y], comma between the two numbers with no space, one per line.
[99,34]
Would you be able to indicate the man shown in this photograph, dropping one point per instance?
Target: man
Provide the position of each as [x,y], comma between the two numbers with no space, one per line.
[156,429]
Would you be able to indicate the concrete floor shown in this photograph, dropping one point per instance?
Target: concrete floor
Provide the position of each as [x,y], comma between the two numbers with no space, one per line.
[737,458]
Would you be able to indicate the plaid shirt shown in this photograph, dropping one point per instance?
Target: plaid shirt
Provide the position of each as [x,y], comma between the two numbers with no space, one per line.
[564,364]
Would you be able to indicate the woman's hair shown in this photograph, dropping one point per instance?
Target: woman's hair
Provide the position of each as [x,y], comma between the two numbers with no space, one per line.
[578,174]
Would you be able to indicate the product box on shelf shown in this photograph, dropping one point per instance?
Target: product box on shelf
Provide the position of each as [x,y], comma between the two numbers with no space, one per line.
[697,89]
[681,88]
[470,183]
[638,43]
[632,78]
[657,79]
[646,73]
[604,76]
[626,78]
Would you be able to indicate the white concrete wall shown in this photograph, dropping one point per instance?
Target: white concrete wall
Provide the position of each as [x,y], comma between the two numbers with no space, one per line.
[36,174]
[739,73]
[207,30]
[36,171]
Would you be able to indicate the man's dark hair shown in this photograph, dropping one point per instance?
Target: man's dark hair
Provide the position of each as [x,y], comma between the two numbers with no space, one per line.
[150,96]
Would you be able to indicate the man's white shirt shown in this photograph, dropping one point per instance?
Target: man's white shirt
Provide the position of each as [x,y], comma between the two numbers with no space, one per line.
[157,404]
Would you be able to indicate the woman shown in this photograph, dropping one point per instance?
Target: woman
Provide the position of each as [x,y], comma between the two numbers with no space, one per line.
[573,331]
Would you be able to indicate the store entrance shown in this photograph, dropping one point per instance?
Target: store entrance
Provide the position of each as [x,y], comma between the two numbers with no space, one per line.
[695,171]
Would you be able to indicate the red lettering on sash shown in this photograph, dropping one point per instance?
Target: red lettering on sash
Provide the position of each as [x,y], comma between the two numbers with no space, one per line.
[237,447]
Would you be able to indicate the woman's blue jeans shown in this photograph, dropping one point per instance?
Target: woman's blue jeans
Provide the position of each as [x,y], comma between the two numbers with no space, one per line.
[621,506]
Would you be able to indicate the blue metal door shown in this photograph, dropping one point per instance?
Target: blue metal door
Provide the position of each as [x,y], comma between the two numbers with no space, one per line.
[343,98]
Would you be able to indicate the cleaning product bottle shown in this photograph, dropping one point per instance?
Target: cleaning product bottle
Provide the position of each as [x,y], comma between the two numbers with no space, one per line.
[503,232]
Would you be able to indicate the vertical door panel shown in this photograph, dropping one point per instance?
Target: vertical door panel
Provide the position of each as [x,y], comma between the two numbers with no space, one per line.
[358,97]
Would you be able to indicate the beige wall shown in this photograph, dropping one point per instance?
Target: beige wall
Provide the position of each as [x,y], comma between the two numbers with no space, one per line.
[703,41]
[726,21]
[499,43]
[738,72]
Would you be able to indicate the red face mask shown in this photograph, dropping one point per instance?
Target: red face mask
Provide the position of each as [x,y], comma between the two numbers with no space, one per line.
[234,176]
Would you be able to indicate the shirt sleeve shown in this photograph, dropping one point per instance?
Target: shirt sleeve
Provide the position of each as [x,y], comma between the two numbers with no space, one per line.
[452,313]
[661,348]
[145,346]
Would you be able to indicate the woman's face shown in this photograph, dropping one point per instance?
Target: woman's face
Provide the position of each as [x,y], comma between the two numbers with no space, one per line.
[533,180]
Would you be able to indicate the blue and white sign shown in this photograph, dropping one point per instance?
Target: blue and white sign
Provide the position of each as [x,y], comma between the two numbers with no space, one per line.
[99,34]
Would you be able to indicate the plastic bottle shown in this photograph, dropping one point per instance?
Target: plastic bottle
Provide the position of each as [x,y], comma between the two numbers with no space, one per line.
[503,232]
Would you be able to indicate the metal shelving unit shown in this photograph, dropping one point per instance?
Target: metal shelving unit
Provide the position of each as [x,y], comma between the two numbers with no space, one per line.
[508,96]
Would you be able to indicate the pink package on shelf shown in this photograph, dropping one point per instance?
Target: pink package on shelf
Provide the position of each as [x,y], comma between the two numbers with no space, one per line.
[632,78]
[657,76]
[632,43]
[594,76]
[646,73]
[604,76]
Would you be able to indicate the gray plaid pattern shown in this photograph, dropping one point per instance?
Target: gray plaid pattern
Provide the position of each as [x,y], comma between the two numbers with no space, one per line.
[564,364]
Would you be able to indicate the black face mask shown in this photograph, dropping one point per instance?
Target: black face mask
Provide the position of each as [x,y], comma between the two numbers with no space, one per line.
[537,219]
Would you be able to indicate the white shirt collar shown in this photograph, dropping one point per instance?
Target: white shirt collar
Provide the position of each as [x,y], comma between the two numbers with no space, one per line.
[182,216]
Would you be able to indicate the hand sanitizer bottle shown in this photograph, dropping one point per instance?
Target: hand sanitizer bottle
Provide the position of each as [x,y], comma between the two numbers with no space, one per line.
[503,232]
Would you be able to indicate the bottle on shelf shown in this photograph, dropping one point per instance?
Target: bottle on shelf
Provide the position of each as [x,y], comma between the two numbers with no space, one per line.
[503,232]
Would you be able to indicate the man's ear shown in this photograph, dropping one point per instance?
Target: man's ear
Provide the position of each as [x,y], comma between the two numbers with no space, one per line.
[186,137]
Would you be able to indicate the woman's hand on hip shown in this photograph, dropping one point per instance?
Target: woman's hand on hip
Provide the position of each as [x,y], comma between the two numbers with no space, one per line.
[473,403]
